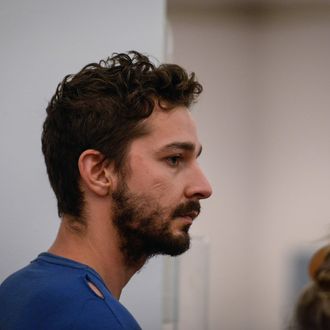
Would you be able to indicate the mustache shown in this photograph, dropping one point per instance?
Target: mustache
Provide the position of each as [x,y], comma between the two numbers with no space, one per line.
[187,208]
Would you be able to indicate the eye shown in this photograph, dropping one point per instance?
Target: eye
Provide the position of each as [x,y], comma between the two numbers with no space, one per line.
[174,160]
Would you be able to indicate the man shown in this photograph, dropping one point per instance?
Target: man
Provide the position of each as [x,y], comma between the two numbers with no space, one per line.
[121,153]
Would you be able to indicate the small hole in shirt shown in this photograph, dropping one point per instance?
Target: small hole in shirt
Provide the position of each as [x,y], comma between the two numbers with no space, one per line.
[95,289]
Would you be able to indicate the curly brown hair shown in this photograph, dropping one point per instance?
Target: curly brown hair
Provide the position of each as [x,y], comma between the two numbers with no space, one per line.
[102,108]
[312,311]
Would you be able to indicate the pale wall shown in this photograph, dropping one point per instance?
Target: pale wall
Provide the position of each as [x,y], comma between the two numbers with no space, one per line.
[41,41]
[264,122]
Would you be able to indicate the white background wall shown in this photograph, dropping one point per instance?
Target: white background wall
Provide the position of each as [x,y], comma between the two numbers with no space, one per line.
[264,120]
[41,41]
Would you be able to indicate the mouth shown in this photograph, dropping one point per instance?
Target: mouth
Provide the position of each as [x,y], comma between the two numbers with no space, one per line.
[187,211]
[190,216]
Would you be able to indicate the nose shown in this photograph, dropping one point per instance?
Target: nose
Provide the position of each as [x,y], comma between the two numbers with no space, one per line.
[198,187]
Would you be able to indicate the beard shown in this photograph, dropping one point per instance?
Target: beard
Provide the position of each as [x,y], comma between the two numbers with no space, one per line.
[144,227]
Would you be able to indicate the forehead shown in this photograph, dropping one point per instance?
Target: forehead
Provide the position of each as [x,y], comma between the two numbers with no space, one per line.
[170,126]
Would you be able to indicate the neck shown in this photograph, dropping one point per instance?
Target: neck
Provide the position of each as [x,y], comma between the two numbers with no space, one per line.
[97,247]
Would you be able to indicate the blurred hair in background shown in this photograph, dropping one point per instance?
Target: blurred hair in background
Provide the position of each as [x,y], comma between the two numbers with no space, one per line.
[313,306]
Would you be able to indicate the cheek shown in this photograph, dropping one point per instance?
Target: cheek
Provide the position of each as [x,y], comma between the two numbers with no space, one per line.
[161,188]
[147,176]
[151,179]
[154,186]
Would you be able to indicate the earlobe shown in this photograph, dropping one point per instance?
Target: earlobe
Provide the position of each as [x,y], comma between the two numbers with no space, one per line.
[94,172]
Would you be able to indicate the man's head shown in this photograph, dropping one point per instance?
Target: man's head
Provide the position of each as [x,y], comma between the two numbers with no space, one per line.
[134,117]
[158,199]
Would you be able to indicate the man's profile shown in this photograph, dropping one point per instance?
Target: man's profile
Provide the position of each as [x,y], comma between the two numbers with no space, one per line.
[121,153]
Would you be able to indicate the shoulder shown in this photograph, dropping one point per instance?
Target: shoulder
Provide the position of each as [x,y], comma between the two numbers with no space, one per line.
[96,314]
[35,297]
[60,298]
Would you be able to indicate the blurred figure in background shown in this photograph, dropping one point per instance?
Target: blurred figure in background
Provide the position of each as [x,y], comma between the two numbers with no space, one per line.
[312,311]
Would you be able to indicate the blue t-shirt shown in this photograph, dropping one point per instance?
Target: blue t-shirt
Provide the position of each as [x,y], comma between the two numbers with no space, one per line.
[52,293]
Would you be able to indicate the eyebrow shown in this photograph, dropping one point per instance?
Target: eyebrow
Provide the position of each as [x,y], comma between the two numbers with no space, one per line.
[186,146]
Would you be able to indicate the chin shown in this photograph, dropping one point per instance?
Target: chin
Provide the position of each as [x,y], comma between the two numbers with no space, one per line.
[178,249]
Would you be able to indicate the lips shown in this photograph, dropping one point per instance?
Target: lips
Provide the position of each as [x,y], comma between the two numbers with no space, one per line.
[192,214]
[189,210]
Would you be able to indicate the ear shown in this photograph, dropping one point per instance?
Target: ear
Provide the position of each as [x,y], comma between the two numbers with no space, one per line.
[95,172]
